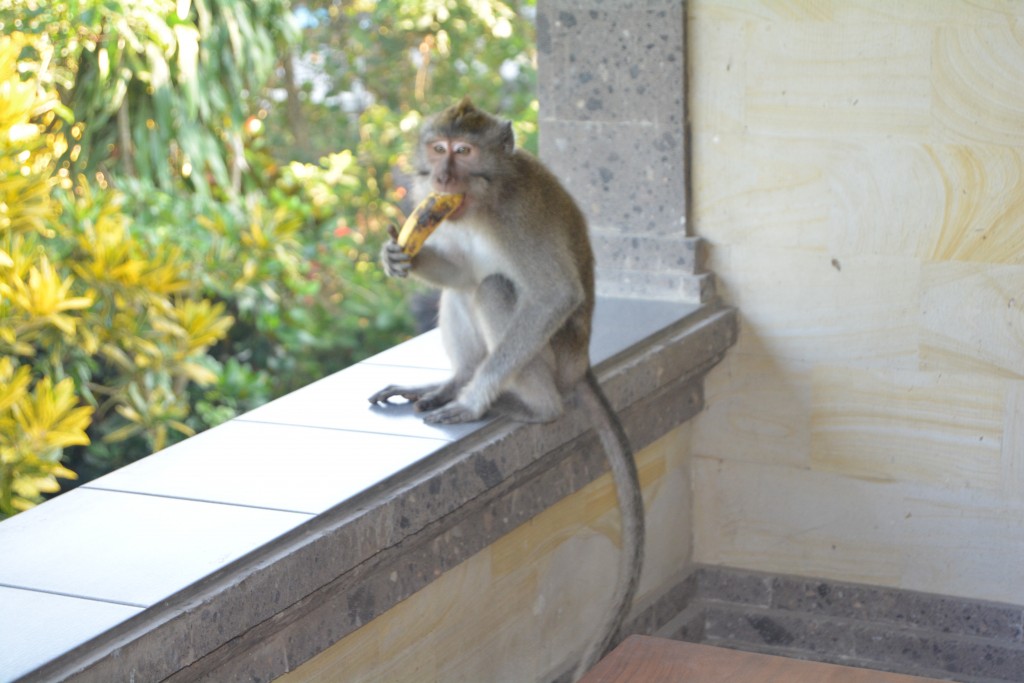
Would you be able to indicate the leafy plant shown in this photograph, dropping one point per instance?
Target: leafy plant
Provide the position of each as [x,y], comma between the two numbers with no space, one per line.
[182,239]
[37,419]
[157,83]
[366,72]
[88,312]
[36,424]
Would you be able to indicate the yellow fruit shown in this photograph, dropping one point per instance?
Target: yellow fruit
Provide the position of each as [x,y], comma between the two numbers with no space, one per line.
[425,218]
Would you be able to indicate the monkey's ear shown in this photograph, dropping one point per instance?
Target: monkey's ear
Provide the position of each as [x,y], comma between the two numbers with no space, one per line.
[508,137]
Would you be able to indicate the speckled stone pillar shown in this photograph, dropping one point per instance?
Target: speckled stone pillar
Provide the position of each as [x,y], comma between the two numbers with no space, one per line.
[612,89]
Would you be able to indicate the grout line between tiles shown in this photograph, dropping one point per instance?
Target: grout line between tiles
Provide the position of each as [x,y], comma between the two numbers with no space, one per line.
[63,594]
[442,439]
[109,489]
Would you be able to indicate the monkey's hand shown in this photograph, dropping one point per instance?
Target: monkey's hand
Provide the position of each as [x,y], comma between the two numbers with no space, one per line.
[395,261]
[411,394]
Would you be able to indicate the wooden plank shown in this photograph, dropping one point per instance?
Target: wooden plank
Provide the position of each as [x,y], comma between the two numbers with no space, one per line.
[642,659]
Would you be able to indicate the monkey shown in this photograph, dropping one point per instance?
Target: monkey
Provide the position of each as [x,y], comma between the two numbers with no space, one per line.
[516,271]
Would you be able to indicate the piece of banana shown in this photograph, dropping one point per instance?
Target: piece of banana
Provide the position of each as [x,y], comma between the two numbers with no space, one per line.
[425,218]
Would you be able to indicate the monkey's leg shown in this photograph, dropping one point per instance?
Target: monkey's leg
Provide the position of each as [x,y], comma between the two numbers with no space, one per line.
[531,395]
[463,343]
[465,349]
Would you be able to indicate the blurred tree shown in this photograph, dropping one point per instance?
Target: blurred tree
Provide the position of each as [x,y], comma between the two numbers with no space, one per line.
[160,86]
[191,210]
[366,71]
[101,335]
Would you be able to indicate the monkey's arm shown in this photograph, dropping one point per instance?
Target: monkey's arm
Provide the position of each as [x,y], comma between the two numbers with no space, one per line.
[435,266]
[538,316]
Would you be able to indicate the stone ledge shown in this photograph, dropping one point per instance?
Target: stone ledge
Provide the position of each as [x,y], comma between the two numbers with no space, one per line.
[266,611]
[697,288]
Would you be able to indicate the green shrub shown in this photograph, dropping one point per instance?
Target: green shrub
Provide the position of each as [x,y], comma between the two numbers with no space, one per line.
[99,331]
[165,262]
[38,418]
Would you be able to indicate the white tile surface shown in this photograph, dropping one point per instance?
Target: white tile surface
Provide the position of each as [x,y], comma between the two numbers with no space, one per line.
[339,401]
[620,323]
[424,351]
[129,548]
[36,627]
[91,558]
[282,467]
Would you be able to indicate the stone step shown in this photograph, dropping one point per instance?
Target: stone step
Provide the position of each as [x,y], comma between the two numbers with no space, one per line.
[873,627]
[866,644]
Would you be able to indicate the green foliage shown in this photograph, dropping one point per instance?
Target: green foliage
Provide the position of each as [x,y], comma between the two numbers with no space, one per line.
[88,313]
[192,198]
[156,83]
[36,424]
[374,68]
[38,419]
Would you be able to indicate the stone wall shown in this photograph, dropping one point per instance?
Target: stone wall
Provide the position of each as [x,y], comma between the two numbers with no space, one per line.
[612,90]
[525,606]
[858,174]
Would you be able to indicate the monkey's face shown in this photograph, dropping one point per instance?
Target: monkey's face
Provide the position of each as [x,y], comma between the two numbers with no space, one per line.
[452,163]
[453,166]
[463,150]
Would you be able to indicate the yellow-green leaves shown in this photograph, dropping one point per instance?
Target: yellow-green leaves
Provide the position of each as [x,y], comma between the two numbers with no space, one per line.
[49,418]
[29,141]
[202,325]
[110,254]
[101,331]
[152,411]
[36,424]
[44,298]
[38,419]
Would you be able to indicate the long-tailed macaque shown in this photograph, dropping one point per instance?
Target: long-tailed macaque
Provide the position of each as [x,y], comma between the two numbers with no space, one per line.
[516,271]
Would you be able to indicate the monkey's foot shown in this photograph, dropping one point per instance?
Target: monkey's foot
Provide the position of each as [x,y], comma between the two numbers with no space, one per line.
[439,397]
[453,413]
[411,394]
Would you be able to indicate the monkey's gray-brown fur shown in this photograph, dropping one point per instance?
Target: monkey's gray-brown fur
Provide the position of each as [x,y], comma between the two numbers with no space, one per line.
[516,271]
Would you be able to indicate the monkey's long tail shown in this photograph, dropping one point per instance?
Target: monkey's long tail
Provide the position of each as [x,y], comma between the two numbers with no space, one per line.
[631,507]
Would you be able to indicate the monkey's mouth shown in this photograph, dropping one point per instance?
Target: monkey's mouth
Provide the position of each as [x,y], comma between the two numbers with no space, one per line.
[459,212]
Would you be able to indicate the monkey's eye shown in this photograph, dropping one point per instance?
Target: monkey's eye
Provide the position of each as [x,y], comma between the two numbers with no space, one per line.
[439,147]
[463,149]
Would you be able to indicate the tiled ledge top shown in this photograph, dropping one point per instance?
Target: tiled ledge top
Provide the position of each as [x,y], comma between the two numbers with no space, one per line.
[146,539]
